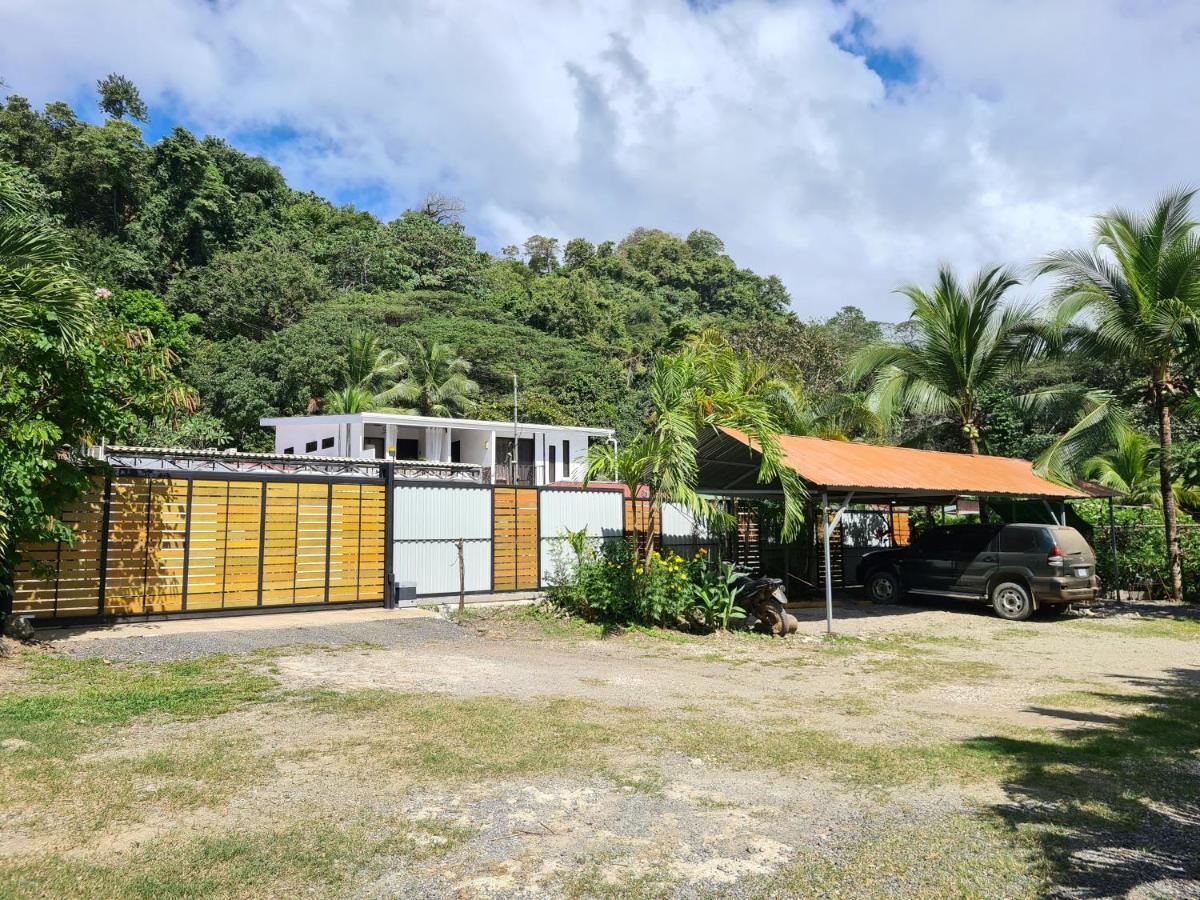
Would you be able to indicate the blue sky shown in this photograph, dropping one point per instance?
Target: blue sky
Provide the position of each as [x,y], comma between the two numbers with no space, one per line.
[848,146]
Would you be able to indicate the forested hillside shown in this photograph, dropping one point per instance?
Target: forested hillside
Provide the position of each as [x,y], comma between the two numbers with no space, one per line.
[257,287]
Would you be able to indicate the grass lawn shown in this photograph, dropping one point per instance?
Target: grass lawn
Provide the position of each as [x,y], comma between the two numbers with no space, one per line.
[218,777]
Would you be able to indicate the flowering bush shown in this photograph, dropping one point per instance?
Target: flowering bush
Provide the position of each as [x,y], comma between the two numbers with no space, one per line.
[611,584]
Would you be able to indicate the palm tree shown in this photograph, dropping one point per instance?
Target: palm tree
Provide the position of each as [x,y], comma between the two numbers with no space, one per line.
[963,339]
[438,383]
[40,292]
[1137,295]
[1131,467]
[38,285]
[706,385]
[1128,467]
[365,368]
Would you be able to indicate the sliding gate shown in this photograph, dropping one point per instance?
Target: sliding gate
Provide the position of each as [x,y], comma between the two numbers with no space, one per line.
[181,542]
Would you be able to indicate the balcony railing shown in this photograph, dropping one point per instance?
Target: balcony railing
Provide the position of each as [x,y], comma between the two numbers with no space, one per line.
[519,475]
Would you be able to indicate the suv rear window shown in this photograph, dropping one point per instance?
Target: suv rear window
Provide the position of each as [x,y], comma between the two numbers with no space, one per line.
[1023,540]
[1071,541]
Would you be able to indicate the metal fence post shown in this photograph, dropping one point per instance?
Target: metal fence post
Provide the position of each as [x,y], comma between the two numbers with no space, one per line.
[262,539]
[389,539]
[462,580]
[328,535]
[187,546]
[105,522]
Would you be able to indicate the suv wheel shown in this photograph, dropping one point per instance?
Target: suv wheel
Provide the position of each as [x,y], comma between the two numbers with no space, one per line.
[1012,600]
[883,587]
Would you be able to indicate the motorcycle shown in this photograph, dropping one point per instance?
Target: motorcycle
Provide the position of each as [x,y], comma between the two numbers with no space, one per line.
[765,604]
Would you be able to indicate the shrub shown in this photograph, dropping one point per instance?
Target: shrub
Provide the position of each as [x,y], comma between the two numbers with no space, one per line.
[608,584]
[1142,549]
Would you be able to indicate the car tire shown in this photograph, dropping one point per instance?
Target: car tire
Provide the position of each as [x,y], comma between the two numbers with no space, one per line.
[1011,600]
[883,587]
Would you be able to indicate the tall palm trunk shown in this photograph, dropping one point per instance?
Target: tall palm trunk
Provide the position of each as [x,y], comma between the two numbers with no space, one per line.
[1165,485]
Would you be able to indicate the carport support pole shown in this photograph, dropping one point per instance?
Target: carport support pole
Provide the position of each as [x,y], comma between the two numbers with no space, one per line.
[825,529]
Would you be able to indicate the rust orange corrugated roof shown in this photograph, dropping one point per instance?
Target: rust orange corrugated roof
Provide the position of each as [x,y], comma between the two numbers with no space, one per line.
[843,464]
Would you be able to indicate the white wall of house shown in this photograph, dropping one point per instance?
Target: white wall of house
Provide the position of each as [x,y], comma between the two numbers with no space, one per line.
[343,436]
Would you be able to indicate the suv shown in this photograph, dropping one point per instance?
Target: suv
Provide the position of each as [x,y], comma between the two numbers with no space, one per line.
[1017,568]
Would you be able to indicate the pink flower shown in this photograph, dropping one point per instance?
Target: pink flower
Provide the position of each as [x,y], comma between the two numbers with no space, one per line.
[103,293]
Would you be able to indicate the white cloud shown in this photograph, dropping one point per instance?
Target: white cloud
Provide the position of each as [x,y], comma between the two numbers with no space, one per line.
[583,118]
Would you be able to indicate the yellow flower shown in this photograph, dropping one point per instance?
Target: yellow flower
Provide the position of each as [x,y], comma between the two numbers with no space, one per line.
[683,576]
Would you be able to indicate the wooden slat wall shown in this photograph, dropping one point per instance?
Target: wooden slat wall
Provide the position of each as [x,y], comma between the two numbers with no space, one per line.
[176,545]
[60,579]
[901,528]
[835,553]
[515,548]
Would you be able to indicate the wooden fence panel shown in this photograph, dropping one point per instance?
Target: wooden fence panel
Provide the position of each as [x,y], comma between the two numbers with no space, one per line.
[175,544]
[515,548]
[64,579]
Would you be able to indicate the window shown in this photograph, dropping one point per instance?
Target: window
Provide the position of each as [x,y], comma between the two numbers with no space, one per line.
[1020,540]
[974,539]
[566,459]
[552,463]
[326,443]
[407,448]
[935,541]
[288,450]
[310,447]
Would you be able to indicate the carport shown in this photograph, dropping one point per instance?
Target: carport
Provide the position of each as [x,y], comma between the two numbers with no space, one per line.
[839,473]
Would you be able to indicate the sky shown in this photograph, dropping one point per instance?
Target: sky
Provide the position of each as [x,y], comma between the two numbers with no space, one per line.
[848,146]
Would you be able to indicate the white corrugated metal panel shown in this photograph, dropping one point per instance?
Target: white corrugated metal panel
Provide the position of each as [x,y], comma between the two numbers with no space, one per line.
[679,524]
[429,512]
[433,565]
[601,512]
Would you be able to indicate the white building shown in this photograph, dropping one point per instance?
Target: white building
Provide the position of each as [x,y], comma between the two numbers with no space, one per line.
[540,454]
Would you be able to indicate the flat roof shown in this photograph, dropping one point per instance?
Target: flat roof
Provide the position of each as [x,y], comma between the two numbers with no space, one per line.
[381,418]
[728,456]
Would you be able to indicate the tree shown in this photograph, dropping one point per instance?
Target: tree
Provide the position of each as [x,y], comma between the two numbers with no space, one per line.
[438,383]
[119,97]
[1135,299]
[39,287]
[542,253]
[578,253]
[250,292]
[71,372]
[705,243]
[706,385]
[442,209]
[1131,467]
[442,256]
[961,340]
[366,369]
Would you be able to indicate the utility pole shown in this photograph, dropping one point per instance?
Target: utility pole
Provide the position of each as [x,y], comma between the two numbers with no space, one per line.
[516,440]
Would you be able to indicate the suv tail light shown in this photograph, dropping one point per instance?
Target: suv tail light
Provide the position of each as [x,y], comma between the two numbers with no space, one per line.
[1056,556]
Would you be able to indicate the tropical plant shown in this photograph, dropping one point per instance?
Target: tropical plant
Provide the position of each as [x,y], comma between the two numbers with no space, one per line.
[72,371]
[716,597]
[39,286]
[706,385]
[366,367]
[1131,467]
[961,339]
[1134,300]
[1128,467]
[438,382]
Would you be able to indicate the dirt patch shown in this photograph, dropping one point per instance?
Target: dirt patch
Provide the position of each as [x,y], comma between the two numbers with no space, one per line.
[508,755]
